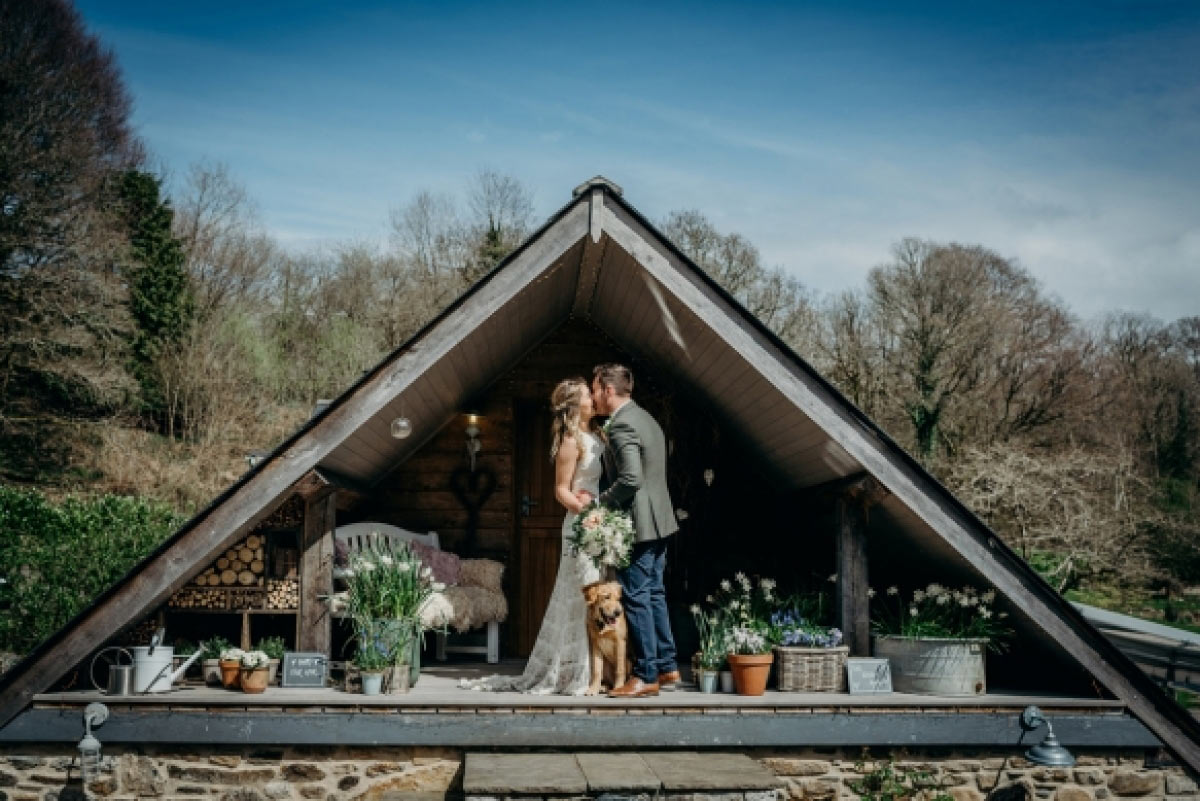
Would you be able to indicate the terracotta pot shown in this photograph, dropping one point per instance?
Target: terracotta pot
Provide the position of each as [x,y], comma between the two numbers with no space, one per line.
[254,680]
[231,670]
[750,672]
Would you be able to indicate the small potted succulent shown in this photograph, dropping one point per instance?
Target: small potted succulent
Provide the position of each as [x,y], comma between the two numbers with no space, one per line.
[231,667]
[273,647]
[255,671]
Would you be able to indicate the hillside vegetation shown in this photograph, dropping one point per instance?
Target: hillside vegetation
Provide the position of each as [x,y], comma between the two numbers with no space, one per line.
[148,342]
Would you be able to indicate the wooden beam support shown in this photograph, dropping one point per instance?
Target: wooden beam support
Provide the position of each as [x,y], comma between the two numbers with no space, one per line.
[853,602]
[316,574]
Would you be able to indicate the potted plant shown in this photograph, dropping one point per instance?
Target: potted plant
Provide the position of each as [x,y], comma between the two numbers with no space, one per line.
[255,671]
[711,656]
[231,667]
[273,647]
[371,663]
[213,647]
[936,638]
[384,595]
[809,656]
[750,659]
[744,608]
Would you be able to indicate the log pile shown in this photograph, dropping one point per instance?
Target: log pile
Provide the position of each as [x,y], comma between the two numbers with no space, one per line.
[283,594]
[242,565]
[197,598]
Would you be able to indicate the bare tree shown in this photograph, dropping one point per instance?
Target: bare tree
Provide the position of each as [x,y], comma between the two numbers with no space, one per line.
[228,257]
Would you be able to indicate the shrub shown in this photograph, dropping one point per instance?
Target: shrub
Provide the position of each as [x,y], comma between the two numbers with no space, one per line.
[56,557]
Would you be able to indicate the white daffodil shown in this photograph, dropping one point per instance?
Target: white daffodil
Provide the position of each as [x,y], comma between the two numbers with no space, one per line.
[918,596]
[695,609]
[943,599]
[725,585]
[984,612]
[988,596]
[893,590]
[912,610]
[833,578]
[870,593]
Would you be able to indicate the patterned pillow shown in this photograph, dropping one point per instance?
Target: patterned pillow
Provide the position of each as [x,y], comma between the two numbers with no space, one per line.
[444,564]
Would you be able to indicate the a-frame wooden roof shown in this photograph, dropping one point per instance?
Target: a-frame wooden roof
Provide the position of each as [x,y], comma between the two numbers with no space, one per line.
[599,259]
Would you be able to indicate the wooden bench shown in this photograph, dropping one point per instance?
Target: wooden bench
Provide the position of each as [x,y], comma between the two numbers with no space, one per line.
[359,537]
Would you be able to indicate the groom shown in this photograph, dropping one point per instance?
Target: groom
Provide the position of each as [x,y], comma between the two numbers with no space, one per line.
[635,480]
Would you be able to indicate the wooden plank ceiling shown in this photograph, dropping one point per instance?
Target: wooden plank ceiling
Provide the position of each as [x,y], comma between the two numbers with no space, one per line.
[645,318]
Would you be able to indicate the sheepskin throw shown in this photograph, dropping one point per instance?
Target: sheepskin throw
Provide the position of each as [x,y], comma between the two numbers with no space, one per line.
[485,573]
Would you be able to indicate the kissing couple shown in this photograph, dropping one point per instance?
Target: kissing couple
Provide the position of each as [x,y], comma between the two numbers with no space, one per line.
[623,466]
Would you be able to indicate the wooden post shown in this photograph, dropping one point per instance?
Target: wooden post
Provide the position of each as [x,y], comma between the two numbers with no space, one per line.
[316,573]
[853,608]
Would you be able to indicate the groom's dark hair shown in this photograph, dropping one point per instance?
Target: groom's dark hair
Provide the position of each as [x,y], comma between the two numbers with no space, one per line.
[617,376]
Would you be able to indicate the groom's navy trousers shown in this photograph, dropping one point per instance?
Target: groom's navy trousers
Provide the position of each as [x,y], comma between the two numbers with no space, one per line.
[645,600]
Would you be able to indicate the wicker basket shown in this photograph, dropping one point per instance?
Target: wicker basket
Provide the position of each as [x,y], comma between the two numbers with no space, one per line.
[811,670]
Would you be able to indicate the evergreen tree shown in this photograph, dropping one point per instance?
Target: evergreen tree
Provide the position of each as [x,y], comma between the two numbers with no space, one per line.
[160,297]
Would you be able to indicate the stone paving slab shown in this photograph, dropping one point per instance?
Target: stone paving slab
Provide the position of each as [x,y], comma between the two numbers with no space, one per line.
[522,774]
[617,772]
[690,771]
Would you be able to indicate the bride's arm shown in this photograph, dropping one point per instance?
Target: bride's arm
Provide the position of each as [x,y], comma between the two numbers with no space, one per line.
[565,462]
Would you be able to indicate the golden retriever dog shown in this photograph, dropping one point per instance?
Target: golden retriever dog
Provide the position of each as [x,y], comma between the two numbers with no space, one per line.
[608,635]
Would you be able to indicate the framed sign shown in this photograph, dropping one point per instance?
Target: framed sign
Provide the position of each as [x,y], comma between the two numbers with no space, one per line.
[304,669]
[868,675]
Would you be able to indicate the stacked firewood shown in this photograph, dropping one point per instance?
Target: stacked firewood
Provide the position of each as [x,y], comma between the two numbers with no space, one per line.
[197,598]
[283,594]
[240,566]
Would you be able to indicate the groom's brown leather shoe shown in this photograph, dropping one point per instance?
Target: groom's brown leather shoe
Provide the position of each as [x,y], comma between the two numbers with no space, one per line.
[634,688]
[669,680]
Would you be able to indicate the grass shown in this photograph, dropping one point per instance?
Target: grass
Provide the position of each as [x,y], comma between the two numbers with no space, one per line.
[1144,604]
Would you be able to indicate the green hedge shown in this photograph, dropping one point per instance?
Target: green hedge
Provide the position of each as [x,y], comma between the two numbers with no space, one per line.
[55,558]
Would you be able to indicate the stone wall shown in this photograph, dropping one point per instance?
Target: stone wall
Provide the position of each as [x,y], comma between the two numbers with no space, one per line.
[258,774]
[976,775]
[43,773]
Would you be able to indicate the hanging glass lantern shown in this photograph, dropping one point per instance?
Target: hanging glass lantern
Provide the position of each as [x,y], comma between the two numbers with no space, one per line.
[401,428]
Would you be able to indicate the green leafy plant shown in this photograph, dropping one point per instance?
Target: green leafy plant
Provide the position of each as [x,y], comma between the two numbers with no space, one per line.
[55,558]
[213,647]
[385,592]
[273,647]
[887,781]
[371,659]
[711,628]
[184,647]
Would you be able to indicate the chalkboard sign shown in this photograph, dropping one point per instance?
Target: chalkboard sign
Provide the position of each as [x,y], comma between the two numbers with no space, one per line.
[304,669]
[868,675]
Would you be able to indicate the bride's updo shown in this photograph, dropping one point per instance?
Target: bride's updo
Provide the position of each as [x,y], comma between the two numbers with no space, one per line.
[564,404]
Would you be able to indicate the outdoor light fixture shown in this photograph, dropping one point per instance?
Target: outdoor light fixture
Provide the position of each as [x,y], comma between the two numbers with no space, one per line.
[1048,752]
[472,431]
[401,428]
[94,714]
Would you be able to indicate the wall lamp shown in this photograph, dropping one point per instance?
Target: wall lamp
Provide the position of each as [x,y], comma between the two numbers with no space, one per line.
[94,714]
[472,432]
[1048,752]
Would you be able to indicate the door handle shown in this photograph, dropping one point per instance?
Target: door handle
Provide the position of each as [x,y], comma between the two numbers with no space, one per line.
[527,505]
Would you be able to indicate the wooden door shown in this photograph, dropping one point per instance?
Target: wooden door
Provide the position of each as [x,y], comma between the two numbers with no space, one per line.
[539,520]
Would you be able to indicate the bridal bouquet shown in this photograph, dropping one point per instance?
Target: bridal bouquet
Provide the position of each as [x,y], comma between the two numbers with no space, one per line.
[603,535]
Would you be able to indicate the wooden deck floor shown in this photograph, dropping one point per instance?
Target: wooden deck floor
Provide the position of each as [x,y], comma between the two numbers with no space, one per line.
[438,690]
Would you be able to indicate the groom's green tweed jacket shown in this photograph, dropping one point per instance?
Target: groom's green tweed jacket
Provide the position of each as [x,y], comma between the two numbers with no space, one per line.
[635,473]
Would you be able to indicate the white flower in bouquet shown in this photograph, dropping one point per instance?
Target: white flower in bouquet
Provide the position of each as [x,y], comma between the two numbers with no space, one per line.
[603,535]
[255,659]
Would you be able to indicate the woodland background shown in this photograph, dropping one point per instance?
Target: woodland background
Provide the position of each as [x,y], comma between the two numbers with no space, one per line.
[148,342]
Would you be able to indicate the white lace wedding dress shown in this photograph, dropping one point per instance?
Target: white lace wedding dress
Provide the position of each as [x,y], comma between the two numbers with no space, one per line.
[558,663]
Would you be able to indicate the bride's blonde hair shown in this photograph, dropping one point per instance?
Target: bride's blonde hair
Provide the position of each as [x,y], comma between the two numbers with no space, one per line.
[564,404]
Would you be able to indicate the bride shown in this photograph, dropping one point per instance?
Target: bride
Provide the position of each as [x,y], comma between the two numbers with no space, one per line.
[559,660]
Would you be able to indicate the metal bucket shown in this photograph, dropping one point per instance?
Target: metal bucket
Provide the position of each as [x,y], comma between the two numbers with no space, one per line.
[934,665]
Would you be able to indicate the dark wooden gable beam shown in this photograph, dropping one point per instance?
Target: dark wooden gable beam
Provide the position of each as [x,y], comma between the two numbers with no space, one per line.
[244,506]
[902,477]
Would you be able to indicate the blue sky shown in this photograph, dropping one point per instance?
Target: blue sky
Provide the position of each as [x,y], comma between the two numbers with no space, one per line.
[1064,135]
